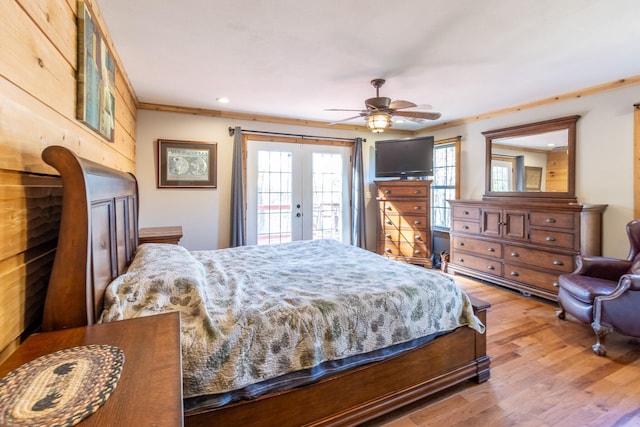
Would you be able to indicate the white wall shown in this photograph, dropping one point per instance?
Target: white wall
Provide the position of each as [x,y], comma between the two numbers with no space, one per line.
[604,162]
[204,214]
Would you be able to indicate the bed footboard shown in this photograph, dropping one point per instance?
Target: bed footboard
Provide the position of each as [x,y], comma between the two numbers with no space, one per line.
[367,392]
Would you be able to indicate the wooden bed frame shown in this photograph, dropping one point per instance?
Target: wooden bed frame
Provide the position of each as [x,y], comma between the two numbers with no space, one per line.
[98,238]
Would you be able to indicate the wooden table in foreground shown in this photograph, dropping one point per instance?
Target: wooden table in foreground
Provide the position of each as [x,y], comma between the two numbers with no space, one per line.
[171,235]
[149,391]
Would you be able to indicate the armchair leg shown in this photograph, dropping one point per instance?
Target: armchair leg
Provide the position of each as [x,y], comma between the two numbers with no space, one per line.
[601,333]
[560,313]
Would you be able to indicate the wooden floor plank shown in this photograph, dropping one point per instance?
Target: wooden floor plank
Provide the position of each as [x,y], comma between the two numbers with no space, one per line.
[543,373]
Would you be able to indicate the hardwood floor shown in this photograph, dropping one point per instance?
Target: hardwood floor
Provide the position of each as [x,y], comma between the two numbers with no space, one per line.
[543,373]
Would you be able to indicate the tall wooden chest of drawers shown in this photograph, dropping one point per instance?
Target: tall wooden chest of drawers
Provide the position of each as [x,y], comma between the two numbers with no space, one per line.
[522,245]
[404,220]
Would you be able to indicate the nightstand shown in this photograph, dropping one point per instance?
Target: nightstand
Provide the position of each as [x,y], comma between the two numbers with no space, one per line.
[149,391]
[160,235]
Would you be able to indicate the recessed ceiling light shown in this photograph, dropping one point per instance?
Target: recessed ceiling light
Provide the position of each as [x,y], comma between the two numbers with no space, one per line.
[223,100]
[398,121]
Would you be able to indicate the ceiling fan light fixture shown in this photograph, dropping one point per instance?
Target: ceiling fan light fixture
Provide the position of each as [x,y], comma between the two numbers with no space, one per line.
[378,122]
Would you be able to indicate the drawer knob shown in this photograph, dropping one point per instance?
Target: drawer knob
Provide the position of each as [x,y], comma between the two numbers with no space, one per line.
[417,237]
[388,236]
[389,208]
[387,250]
[550,220]
[417,222]
[388,221]
[491,249]
[515,274]
[550,239]
[387,191]
[465,227]
[465,212]
[417,251]
[557,262]
[416,208]
[460,243]
[490,267]
[515,254]
[416,192]
[460,259]
[555,284]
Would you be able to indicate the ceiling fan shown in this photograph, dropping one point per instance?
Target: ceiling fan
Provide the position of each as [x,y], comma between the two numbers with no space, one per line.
[380,110]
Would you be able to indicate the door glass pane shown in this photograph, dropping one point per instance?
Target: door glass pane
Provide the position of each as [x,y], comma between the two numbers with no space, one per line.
[327,196]
[500,176]
[274,197]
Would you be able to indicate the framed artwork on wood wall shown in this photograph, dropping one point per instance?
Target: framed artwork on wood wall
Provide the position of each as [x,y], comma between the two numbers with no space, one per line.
[186,164]
[96,98]
[532,178]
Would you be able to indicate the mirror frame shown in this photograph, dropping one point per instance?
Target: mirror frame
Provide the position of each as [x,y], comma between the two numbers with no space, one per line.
[528,129]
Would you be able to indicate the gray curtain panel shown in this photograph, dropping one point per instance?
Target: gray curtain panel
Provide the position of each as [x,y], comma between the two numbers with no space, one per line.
[238,237]
[358,213]
[520,185]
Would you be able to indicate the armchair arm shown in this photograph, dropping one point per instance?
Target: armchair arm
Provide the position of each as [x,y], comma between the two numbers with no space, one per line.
[629,281]
[602,267]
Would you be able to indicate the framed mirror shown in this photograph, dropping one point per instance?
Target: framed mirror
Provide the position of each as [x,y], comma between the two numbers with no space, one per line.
[533,161]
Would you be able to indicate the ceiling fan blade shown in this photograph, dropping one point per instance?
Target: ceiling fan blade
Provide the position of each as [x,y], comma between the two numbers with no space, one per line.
[418,114]
[348,118]
[400,104]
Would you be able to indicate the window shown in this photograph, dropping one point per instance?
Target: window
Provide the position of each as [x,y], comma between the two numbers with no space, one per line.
[446,156]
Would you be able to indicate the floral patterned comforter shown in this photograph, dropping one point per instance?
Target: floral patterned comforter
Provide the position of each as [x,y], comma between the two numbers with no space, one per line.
[257,312]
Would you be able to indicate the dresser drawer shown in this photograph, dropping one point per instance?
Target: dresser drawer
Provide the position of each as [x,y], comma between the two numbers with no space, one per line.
[466,226]
[552,220]
[480,247]
[531,276]
[415,222]
[553,238]
[407,222]
[404,235]
[417,250]
[466,212]
[408,207]
[545,260]
[484,265]
[386,191]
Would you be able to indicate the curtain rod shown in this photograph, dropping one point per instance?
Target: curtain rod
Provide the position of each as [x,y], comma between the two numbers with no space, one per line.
[232,131]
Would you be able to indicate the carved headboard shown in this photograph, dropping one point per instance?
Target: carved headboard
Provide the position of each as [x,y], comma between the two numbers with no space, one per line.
[98,237]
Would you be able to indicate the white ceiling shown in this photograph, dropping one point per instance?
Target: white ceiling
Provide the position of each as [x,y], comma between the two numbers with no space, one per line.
[296,58]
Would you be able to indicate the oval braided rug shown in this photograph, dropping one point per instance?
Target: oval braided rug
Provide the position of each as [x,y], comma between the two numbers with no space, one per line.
[61,388]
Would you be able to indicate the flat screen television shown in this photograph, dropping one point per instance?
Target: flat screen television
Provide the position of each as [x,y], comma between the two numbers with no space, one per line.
[404,158]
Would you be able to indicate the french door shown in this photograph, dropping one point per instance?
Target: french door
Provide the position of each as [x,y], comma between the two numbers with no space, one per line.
[297,192]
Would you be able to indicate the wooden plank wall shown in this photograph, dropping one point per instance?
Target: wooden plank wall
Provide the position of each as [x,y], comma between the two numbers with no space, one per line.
[557,171]
[636,161]
[38,62]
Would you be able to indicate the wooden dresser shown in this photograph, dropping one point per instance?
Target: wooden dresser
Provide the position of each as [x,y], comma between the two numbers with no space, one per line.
[404,221]
[522,245]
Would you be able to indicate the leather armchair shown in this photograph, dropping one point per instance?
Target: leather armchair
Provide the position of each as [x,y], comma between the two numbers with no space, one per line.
[605,292]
